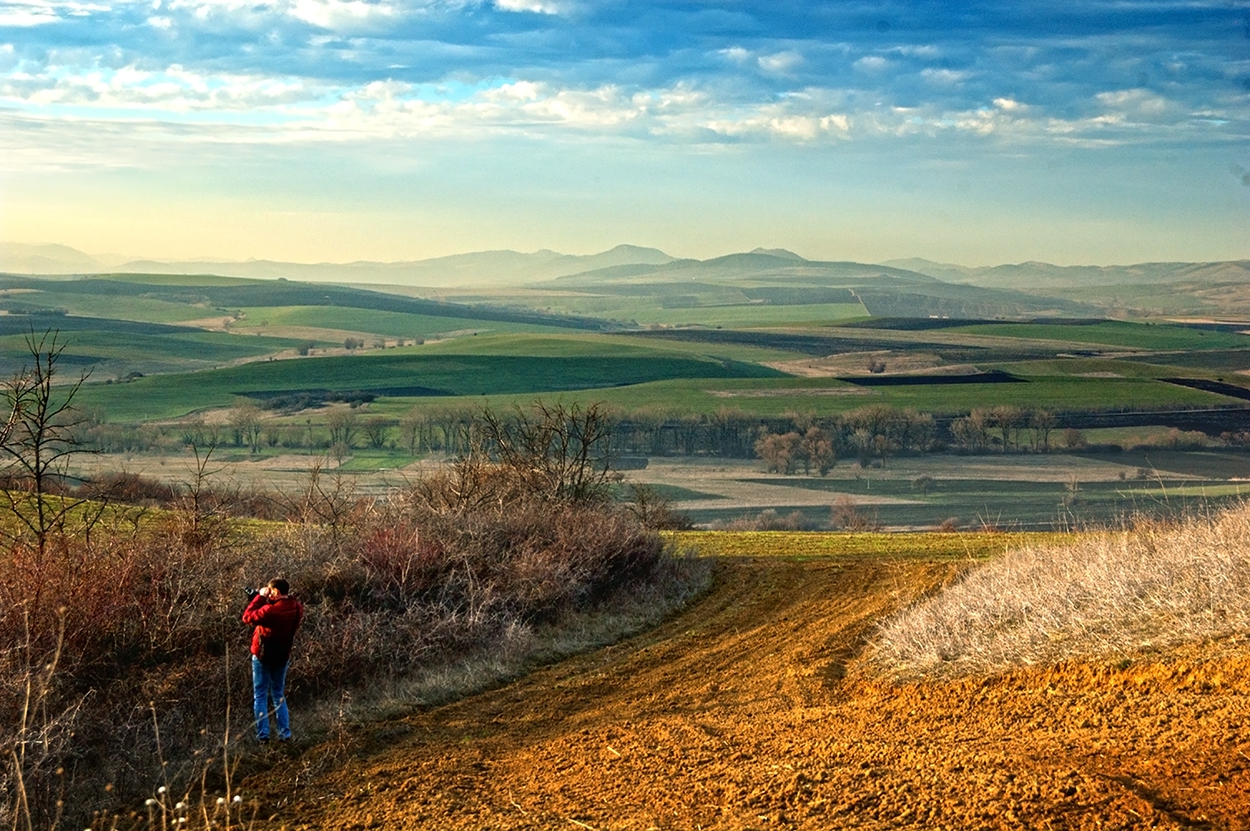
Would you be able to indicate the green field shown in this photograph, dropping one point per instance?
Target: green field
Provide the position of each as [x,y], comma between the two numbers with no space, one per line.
[1115,333]
[442,374]
[373,322]
[776,396]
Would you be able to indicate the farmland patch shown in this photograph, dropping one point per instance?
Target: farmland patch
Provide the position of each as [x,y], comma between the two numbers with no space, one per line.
[993,376]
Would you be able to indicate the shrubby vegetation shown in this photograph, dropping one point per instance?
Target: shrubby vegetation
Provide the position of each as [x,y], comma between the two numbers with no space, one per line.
[120,647]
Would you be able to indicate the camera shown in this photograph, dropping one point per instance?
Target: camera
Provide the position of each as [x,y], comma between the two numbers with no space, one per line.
[251,593]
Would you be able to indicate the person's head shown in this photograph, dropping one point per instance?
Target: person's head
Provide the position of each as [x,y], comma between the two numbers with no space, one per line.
[279,587]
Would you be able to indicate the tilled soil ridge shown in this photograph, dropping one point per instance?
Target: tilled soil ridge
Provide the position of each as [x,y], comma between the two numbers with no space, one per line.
[740,713]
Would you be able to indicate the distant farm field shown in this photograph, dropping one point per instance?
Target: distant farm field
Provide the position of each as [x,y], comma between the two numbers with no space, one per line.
[1115,333]
[169,396]
[370,321]
[775,396]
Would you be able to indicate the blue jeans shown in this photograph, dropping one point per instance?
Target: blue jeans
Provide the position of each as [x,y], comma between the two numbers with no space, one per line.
[269,683]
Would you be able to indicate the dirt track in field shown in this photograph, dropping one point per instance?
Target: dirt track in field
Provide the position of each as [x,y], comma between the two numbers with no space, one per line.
[749,710]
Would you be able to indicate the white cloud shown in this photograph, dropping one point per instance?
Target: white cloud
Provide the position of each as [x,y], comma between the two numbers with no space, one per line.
[918,51]
[534,6]
[871,63]
[340,15]
[28,13]
[125,92]
[736,54]
[781,62]
[944,77]
[1135,105]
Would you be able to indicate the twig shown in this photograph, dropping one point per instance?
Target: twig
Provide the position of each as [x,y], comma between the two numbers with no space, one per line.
[614,751]
[582,824]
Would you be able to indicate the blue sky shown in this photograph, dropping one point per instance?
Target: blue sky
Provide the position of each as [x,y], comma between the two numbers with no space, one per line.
[981,132]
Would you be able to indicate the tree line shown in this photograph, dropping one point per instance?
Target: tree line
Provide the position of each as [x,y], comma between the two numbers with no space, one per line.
[791,442]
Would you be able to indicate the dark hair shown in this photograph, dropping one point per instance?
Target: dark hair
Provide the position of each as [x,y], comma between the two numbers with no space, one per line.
[281,585]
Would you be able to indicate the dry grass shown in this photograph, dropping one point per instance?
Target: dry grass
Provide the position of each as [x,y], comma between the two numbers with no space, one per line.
[1152,585]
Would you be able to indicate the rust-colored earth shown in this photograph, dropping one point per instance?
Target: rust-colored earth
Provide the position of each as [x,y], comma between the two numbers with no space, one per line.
[741,713]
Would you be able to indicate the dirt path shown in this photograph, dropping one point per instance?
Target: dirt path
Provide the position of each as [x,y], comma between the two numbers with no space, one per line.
[740,714]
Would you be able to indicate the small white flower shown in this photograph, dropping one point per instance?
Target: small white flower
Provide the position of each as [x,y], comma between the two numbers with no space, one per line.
[150,803]
[221,800]
[180,806]
[238,799]
[161,789]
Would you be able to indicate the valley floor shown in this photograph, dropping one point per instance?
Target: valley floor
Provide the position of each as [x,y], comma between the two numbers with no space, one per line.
[751,709]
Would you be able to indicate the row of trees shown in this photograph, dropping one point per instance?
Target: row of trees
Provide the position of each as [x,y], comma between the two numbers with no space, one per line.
[790,442]
[875,431]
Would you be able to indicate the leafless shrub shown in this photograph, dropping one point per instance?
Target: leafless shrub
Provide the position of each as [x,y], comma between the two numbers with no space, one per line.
[845,515]
[655,510]
[1151,585]
[768,519]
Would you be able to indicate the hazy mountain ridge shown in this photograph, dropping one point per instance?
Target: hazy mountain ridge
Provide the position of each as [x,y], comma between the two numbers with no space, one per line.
[1028,288]
[479,268]
[1047,276]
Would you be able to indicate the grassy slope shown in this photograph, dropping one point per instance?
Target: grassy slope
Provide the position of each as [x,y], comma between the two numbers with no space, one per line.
[383,323]
[1115,333]
[776,396]
[461,374]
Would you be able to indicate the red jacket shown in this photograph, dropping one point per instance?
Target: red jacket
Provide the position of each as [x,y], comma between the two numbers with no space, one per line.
[275,622]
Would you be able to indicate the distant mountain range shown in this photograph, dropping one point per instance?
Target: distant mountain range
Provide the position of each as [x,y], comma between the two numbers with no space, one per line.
[480,268]
[1046,276]
[624,261]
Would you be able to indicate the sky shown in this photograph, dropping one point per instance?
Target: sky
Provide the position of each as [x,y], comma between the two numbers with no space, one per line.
[979,132]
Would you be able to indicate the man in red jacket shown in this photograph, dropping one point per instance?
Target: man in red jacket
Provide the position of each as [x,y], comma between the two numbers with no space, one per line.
[275,615]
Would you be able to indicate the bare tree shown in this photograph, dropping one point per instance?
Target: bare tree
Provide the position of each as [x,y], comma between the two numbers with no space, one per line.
[342,426]
[376,429]
[559,452]
[245,421]
[40,439]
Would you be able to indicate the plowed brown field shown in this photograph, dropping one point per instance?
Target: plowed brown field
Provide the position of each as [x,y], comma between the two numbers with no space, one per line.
[747,711]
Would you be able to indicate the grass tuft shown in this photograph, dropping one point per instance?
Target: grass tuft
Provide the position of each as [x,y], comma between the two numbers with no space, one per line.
[1152,585]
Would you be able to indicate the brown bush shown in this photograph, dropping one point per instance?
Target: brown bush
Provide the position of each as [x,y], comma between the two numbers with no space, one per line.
[146,610]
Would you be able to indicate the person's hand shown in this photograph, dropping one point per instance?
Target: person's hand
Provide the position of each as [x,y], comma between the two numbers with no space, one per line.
[265,592]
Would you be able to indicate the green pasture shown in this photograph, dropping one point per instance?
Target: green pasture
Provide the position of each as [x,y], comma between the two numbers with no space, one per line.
[593,345]
[367,461]
[1090,368]
[124,307]
[376,322]
[472,376]
[118,351]
[825,396]
[1211,362]
[1152,336]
